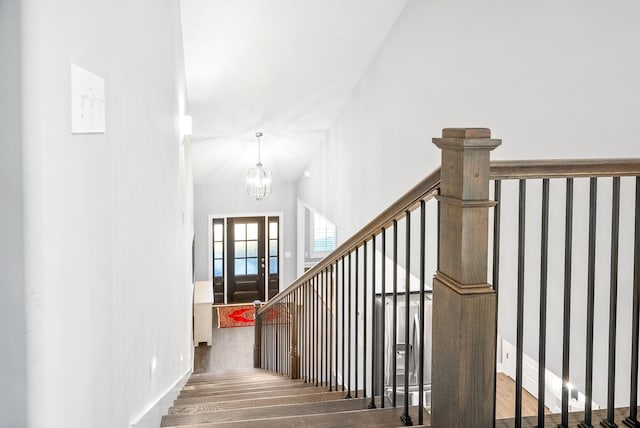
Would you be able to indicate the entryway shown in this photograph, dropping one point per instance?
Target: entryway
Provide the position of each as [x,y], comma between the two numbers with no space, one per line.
[245,258]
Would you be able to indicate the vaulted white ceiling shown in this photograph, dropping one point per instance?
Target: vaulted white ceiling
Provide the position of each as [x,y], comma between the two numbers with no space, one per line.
[283,67]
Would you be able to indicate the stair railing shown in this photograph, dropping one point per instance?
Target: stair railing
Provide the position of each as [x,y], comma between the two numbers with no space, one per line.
[346,322]
[555,183]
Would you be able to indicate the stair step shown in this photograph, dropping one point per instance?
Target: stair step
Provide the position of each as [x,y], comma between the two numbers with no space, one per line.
[387,417]
[190,409]
[221,378]
[238,389]
[247,395]
[268,412]
[212,384]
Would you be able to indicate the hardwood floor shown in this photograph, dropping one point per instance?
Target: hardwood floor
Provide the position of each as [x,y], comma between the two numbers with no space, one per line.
[232,349]
[506,399]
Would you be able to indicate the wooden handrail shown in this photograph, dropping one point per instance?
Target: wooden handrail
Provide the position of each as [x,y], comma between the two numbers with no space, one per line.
[563,168]
[424,190]
[500,170]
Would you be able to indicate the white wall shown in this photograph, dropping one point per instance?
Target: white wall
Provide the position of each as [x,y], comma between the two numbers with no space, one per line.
[13,406]
[553,80]
[107,216]
[230,199]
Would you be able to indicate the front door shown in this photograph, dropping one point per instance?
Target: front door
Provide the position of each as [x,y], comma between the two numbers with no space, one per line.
[245,259]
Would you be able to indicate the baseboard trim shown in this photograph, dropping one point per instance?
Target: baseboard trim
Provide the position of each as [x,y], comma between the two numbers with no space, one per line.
[152,414]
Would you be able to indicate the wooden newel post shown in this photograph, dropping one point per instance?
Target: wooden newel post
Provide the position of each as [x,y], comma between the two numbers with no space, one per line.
[294,357]
[464,304]
[257,339]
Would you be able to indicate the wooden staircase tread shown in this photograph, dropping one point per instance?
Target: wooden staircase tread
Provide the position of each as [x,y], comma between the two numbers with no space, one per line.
[241,389]
[236,385]
[249,395]
[200,380]
[295,409]
[387,417]
[256,402]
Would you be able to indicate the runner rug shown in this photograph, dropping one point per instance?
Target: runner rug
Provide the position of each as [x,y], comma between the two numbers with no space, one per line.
[236,316]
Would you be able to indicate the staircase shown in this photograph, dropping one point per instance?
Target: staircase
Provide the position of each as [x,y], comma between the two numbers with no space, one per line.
[257,398]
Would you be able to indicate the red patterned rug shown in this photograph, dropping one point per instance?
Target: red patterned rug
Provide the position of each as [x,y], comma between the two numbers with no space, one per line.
[236,316]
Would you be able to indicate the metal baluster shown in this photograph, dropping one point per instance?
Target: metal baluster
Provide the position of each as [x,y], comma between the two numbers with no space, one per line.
[355,307]
[349,333]
[383,308]
[330,329]
[406,418]
[395,311]
[316,317]
[588,393]
[309,332]
[326,326]
[613,304]
[632,420]
[364,320]
[335,314]
[321,324]
[342,324]
[566,323]
[423,250]
[372,403]
[520,303]
[497,193]
[542,339]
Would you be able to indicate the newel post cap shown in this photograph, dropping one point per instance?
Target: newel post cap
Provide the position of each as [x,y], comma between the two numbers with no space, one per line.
[467,138]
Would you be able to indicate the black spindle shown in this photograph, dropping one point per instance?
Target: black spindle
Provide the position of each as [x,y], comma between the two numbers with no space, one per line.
[520,304]
[421,316]
[334,287]
[355,331]
[342,324]
[316,317]
[330,329]
[349,333]
[613,304]
[496,275]
[542,339]
[394,333]
[588,390]
[383,309]
[406,418]
[372,403]
[364,319]
[632,420]
[327,328]
[566,322]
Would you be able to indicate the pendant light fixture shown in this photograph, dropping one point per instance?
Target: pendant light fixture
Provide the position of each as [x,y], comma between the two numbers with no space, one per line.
[259,178]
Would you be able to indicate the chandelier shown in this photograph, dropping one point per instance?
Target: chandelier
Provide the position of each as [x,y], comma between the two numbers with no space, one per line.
[259,178]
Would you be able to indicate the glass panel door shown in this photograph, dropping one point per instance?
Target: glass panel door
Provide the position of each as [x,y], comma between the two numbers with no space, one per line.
[245,259]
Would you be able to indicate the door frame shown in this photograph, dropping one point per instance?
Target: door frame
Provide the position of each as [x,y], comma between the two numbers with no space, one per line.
[281,220]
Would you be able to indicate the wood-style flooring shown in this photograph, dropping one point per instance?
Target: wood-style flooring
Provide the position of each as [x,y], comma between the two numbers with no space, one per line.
[256,398]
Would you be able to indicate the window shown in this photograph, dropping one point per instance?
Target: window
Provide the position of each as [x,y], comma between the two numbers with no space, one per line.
[273,246]
[246,249]
[324,236]
[218,248]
